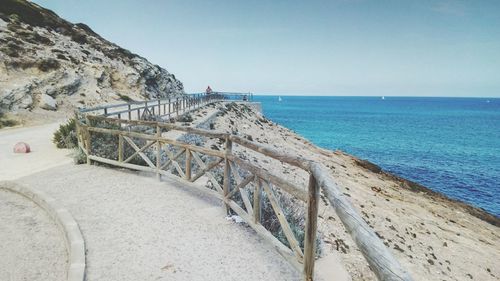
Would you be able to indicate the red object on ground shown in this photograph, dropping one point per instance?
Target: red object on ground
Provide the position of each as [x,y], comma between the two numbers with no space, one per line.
[22,147]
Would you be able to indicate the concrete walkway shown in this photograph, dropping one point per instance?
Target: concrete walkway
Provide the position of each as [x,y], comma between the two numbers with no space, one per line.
[137,228]
[44,153]
[134,227]
[32,246]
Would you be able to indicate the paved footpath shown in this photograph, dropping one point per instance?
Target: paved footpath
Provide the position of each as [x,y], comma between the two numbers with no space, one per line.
[134,227]
[31,244]
[44,154]
[137,228]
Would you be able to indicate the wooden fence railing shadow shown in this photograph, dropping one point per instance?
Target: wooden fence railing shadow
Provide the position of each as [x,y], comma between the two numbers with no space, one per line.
[140,145]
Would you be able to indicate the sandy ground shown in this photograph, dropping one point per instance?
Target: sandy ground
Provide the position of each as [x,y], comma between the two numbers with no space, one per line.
[44,153]
[32,246]
[433,237]
[137,228]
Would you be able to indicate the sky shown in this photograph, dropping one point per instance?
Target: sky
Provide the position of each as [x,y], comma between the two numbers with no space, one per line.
[337,47]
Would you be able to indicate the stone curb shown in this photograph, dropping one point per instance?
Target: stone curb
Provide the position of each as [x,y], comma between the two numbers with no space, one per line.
[75,245]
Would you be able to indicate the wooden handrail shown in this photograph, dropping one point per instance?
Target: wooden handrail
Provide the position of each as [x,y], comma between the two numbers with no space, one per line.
[381,261]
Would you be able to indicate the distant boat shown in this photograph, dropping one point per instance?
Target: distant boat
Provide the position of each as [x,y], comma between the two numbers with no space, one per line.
[487,101]
[383,97]
[280,99]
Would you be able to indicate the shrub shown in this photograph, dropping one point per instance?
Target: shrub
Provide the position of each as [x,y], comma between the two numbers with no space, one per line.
[79,156]
[5,122]
[48,64]
[125,98]
[185,118]
[65,136]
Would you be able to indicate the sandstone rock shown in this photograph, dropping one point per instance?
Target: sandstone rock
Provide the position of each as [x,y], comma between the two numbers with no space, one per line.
[47,102]
[22,147]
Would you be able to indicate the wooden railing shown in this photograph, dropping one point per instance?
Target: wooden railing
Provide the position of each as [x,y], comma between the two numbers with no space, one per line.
[153,109]
[152,152]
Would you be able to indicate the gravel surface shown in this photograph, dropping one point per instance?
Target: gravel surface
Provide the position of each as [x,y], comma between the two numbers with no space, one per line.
[32,246]
[137,228]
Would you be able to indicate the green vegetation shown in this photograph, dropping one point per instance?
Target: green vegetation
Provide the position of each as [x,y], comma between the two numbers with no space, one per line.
[79,156]
[5,122]
[65,136]
[48,65]
[186,117]
[125,98]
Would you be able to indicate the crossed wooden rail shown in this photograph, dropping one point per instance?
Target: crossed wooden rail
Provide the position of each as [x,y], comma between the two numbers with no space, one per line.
[160,155]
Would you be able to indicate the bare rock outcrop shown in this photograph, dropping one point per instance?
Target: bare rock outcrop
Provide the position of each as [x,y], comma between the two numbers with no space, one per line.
[48,62]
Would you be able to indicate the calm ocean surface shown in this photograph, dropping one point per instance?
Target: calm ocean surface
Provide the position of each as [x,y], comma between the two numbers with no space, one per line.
[451,145]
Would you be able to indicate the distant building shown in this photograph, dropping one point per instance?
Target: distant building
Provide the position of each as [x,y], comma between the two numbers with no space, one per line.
[208,91]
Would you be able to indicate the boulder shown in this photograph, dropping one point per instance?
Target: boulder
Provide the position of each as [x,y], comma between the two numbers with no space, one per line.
[22,147]
[47,102]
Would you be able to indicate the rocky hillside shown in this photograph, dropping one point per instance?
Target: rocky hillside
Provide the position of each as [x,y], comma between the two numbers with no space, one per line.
[49,63]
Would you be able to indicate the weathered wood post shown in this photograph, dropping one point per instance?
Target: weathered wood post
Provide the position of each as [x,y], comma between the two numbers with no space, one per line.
[120,148]
[159,107]
[105,111]
[88,141]
[310,229]
[188,164]
[257,198]
[129,112]
[227,171]
[158,152]
[169,108]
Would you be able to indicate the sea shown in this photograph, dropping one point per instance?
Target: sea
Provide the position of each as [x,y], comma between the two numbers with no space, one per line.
[450,145]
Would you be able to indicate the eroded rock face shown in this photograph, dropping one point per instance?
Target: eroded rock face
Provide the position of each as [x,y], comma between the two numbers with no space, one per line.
[47,102]
[43,55]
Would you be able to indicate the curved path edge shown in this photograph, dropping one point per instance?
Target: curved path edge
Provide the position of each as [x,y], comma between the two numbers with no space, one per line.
[75,245]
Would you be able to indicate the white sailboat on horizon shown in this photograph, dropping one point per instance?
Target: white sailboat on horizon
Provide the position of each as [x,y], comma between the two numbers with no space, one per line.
[279,98]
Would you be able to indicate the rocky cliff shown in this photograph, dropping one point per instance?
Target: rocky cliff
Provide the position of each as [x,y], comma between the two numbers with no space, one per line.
[47,62]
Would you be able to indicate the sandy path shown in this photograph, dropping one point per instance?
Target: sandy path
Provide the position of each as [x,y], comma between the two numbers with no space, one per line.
[137,228]
[32,246]
[44,153]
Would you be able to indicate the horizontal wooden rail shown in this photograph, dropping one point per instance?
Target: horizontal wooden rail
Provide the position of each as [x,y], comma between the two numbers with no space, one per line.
[381,261]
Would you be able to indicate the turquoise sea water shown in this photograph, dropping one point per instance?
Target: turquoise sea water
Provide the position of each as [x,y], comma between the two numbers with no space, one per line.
[451,145]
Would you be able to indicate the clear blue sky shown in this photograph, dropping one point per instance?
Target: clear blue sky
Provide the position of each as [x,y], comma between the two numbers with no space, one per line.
[338,47]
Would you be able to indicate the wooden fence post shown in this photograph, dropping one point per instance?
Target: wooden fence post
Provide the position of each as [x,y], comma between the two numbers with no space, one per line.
[310,229]
[257,197]
[168,108]
[129,112]
[159,107]
[227,171]
[158,153]
[188,164]
[88,141]
[120,148]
